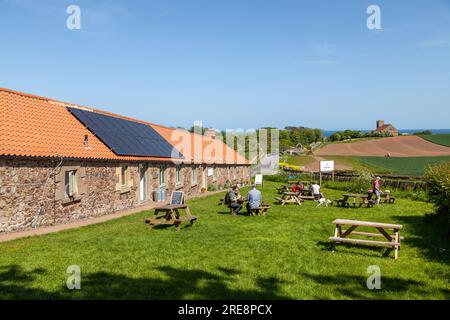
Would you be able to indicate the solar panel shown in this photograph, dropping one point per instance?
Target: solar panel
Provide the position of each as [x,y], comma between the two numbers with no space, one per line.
[124,137]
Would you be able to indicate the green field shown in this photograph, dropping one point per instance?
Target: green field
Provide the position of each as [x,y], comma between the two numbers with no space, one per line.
[415,166]
[300,161]
[442,139]
[284,255]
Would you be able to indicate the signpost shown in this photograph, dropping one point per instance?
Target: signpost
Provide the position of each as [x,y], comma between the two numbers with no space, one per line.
[259,179]
[326,166]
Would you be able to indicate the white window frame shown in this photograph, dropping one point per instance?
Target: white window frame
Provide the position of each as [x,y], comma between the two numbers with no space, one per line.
[178,175]
[71,184]
[162,175]
[124,178]
[194,174]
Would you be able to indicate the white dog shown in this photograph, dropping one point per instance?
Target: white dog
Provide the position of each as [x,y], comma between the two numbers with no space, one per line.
[323,201]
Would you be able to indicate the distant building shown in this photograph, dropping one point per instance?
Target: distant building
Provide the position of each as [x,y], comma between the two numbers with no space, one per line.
[387,129]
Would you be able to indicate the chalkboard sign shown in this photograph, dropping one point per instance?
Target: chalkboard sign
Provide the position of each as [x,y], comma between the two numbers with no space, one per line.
[177,197]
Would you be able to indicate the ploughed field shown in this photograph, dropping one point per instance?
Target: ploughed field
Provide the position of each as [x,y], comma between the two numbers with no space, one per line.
[403,146]
[284,255]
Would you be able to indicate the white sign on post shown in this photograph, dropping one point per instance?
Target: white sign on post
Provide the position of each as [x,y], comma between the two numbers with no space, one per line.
[326,166]
[259,179]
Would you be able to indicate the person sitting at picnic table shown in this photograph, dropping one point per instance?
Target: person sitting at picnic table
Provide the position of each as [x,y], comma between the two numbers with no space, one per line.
[231,200]
[254,199]
[297,188]
[237,192]
[315,190]
[377,190]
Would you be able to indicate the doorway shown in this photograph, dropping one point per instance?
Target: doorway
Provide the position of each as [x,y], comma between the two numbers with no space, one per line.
[143,182]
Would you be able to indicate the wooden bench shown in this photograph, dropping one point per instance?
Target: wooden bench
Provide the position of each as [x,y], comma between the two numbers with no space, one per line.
[289,198]
[355,200]
[170,215]
[393,240]
[386,197]
[261,211]
[341,202]
[282,189]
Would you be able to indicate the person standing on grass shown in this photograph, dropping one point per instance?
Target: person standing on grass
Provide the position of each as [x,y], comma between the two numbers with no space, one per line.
[377,190]
[254,199]
[231,200]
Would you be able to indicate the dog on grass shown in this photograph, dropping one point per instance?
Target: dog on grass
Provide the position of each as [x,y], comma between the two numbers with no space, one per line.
[323,201]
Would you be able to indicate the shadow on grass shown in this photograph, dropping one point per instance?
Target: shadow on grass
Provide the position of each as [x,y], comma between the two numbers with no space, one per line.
[346,247]
[355,287]
[16,283]
[427,233]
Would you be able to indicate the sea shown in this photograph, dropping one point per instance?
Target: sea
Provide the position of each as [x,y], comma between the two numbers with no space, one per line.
[407,131]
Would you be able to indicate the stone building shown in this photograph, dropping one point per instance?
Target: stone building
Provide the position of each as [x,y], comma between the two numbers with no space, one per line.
[387,129]
[54,170]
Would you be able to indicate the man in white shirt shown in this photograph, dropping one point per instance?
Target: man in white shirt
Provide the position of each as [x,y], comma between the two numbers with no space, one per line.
[315,190]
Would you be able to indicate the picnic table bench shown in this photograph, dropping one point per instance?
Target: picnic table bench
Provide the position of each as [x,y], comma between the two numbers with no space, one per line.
[282,189]
[386,197]
[289,197]
[354,200]
[170,215]
[392,243]
[261,211]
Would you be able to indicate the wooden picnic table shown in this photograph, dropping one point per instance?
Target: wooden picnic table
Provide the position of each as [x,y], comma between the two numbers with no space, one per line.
[386,197]
[282,189]
[393,240]
[289,197]
[261,211]
[354,199]
[170,215]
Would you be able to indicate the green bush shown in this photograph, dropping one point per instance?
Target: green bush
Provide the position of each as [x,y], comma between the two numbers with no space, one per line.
[438,186]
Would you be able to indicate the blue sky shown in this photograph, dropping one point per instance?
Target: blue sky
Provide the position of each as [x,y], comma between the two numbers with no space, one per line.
[236,63]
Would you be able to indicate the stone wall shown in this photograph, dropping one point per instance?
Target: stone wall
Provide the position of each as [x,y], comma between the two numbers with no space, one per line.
[26,184]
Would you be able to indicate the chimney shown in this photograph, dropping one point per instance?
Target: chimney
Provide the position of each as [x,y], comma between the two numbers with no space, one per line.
[210,133]
[380,123]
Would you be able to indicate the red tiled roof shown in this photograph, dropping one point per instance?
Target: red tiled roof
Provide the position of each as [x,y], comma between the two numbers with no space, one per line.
[33,126]
[200,149]
[383,127]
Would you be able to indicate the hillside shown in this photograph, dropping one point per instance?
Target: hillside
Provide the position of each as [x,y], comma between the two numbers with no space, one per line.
[403,146]
[441,139]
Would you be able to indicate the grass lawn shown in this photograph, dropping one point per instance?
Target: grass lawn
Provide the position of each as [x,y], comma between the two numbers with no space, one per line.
[442,139]
[284,255]
[403,166]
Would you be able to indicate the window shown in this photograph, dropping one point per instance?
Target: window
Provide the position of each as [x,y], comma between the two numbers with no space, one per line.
[124,177]
[194,175]
[70,181]
[162,175]
[178,175]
